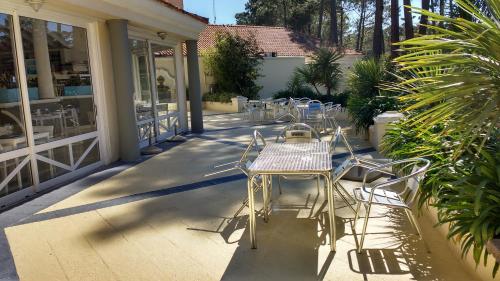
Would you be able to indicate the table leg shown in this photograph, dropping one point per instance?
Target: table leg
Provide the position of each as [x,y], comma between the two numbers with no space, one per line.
[251,216]
[331,213]
[265,195]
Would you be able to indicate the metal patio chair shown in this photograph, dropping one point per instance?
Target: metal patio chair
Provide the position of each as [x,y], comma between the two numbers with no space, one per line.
[352,161]
[410,172]
[298,133]
[256,145]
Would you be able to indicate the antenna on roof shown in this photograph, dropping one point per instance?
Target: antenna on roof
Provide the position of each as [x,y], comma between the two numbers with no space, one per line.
[215,14]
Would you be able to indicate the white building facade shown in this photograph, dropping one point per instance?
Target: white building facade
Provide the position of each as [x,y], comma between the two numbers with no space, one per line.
[79,86]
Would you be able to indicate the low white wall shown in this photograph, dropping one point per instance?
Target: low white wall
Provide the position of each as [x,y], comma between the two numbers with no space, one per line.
[481,272]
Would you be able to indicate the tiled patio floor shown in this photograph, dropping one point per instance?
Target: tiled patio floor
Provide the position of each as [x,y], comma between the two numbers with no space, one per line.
[163,219]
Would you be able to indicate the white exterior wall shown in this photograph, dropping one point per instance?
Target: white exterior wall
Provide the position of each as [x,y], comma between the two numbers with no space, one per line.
[346,64]
[276,72]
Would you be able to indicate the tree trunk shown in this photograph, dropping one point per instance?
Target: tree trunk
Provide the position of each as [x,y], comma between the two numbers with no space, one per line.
[408,20]
[334,36]
[360,25]
[341,33]
[441,12]
[422,29]
[378,39]
[320,23]
[363,32]
[284,13]
[394,27]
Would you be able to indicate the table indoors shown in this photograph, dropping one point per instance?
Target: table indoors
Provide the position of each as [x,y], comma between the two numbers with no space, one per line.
[291,159]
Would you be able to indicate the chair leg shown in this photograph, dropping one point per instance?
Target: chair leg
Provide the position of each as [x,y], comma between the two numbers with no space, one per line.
[356,214]
[419,231]
[367,216]
[317,183]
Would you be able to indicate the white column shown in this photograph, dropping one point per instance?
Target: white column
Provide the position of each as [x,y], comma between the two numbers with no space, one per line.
[42,60]
[181,88]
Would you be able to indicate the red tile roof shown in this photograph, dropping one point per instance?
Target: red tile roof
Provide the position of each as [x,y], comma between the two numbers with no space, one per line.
[284,42]
[182,11]
[279,40]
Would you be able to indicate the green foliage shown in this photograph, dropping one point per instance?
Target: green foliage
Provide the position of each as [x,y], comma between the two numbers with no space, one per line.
[323,70]
[224,97]
[450,80]
[366,100]
[465,190]
[234,64]
[455,74]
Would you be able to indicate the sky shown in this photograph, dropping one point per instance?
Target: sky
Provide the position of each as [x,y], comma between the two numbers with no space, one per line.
[225,9]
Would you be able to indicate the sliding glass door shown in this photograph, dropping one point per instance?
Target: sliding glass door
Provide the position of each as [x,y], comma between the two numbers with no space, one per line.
[47,114]
[156,106]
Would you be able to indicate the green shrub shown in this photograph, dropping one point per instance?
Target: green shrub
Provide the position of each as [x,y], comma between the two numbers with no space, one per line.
[367,100]
[218,97]
[234,63]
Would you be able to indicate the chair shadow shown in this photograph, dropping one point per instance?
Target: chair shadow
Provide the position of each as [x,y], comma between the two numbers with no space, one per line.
[287,249]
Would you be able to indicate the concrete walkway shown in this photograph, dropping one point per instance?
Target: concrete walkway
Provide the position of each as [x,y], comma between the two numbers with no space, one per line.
[163,219]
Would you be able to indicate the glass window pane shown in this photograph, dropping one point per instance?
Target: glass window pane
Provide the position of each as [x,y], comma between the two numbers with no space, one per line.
[142,78]
[47,170]
[12,129]
[166,87]
[91,156]
[59,79]
[19,180]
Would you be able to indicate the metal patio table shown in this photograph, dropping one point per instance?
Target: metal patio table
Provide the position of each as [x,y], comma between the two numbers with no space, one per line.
[291,159]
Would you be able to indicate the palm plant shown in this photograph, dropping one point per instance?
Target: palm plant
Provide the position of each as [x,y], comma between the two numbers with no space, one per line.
[324,70]
[325,62]
[366,100]
[463,88]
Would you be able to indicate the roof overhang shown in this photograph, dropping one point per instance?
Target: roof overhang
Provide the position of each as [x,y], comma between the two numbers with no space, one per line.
[150,14]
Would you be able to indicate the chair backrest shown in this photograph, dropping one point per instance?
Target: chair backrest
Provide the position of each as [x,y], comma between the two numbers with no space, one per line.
[340,136]
[415,172]
[259,141]
[256,145]
[298,133]
[409,172]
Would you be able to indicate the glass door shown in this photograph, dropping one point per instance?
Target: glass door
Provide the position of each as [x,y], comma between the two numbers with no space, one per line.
[165,90]
[143,96]
[15,169]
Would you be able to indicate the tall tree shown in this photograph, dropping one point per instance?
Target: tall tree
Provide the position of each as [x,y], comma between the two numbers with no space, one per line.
[378,36]
[422,29]
[361,22]
[394,26]
[441,11]
[284,13]
[334,36]
[320,22]
[341,32]
[408,20]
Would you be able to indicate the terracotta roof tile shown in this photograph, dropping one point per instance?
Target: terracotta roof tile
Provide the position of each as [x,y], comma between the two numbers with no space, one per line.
[282,41]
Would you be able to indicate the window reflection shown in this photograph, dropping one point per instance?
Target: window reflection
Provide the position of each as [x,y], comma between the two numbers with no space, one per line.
[142,88]
[59,80]
[12,129]
[166,87]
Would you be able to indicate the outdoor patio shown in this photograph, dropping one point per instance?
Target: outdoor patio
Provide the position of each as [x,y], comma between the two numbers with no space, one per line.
[164,219]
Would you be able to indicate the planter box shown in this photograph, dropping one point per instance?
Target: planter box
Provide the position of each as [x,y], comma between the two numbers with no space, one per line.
[13,95]
[480,272]
[220,106]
